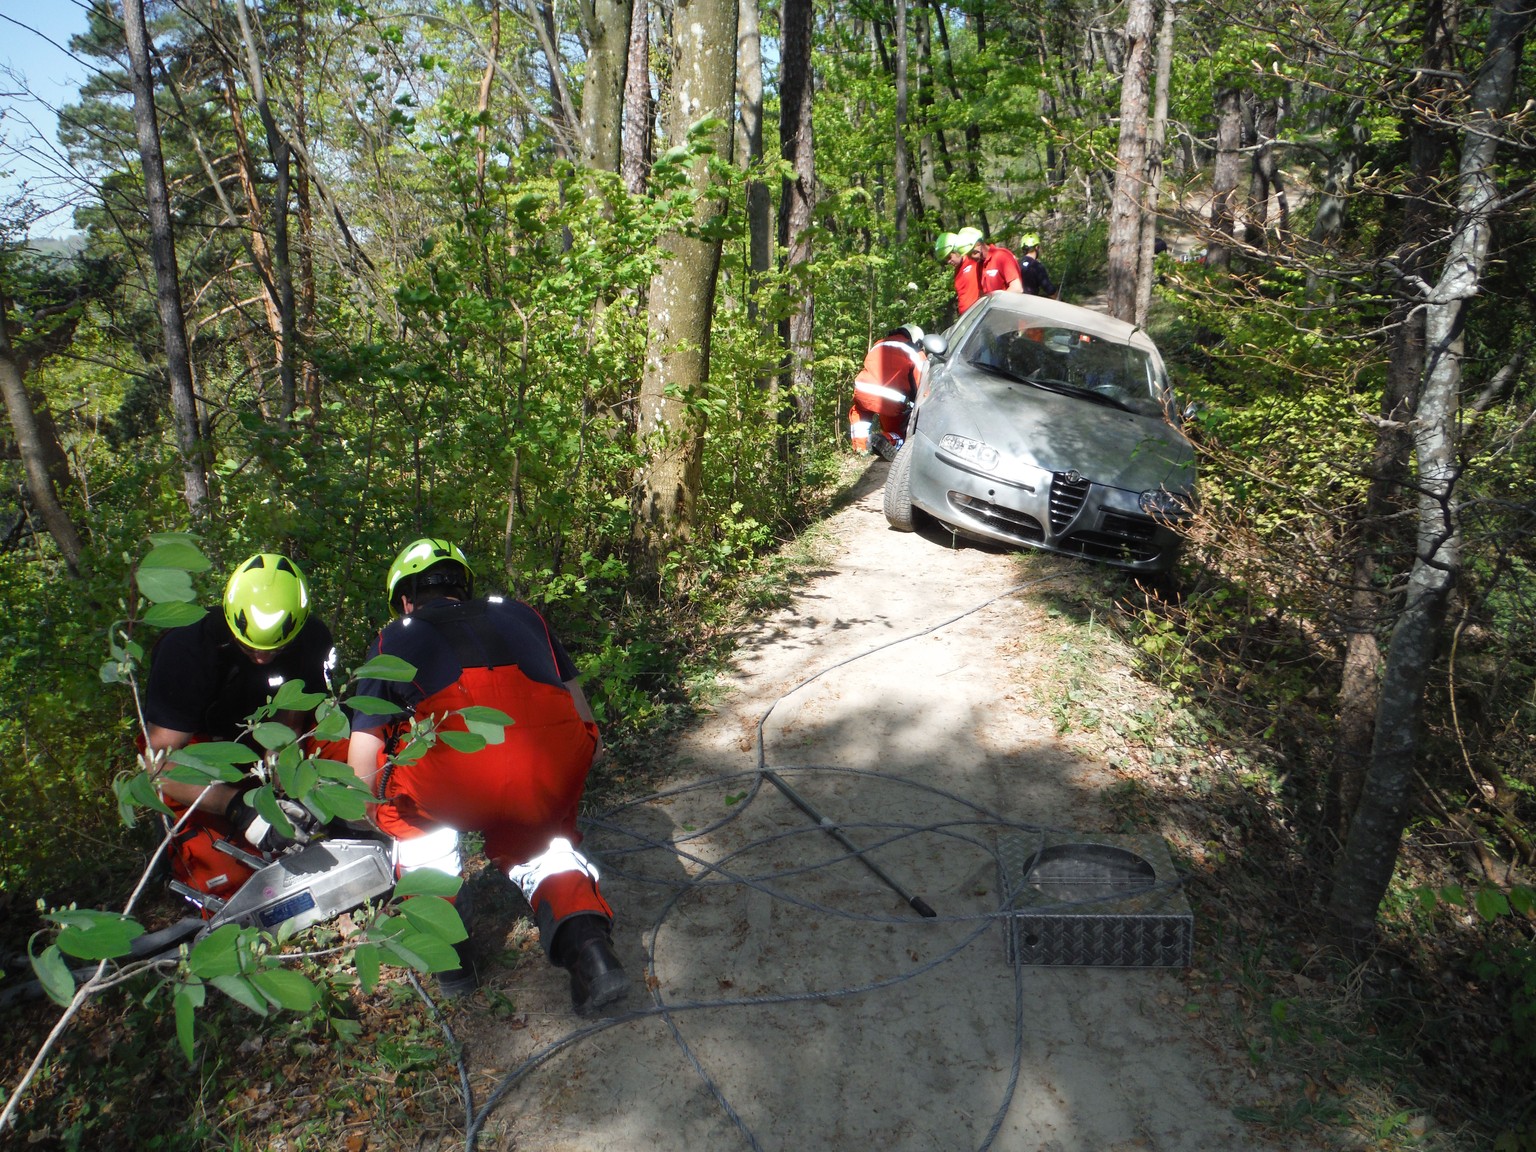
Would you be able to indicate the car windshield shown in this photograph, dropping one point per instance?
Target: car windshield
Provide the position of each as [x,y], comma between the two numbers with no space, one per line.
[1064,359]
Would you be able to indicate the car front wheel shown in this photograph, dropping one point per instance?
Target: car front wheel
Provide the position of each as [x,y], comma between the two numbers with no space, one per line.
[899,512]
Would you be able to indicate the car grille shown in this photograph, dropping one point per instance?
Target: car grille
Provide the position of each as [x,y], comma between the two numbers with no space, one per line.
[1130,527]
[1124,539]
[1068,491]
[1008,521]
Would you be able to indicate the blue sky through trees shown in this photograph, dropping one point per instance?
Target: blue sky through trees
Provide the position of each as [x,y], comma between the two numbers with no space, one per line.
[38,76]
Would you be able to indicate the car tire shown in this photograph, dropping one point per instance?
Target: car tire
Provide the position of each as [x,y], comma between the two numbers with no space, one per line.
[899,513]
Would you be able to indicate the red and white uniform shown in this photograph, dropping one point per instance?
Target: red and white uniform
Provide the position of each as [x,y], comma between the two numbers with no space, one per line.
[999,268]
[884,390]
[993,273]
[522,793]
[967,283]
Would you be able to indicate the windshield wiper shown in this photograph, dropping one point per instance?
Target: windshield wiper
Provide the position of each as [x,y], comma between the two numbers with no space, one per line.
[1052,384]
[1006,374]
[1107,395]
[995,369]
[1113,399]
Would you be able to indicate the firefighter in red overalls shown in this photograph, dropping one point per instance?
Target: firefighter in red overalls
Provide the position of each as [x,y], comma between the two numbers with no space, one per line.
[884,390]
[952,248]
[522,793]
[996,269]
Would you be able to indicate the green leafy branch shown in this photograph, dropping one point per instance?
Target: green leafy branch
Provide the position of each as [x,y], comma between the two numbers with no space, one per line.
[416,927]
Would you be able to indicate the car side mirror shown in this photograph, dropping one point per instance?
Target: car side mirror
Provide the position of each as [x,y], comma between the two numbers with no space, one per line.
[1191,410]
[935,345]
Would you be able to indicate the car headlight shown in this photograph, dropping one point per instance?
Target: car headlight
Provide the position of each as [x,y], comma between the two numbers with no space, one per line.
[971,451]
[1164,505]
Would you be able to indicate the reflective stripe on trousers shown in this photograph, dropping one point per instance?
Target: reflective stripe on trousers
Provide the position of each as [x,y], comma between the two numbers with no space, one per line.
[560,857]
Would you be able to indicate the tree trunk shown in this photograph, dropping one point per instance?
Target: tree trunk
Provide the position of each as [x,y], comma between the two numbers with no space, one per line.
[245,172]
[602,93]
[1360,683]
[902,177]
[309,384]
[796,143]
[163,254]
[1157,137]
[1129,204]
[636,158]
[282,163]
[926,195]
[483,103]
[1338,184]
[1266,181]
[32,446]
[972,129]
[749,147]
[1375,835]
[1229,128]
[566,121]
[682,293]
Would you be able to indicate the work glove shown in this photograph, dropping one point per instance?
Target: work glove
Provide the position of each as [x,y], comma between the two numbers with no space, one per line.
[261,833]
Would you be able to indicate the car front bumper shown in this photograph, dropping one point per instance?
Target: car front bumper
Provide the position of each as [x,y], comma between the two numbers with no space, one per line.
[1057,511]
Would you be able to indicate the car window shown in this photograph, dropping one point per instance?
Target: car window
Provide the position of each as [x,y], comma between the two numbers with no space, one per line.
[1052,356]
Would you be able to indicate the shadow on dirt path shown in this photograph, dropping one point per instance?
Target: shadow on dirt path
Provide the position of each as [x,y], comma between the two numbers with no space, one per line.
[785,997]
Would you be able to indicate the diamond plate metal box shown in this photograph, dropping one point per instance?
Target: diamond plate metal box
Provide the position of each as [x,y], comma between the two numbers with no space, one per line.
[1103,901]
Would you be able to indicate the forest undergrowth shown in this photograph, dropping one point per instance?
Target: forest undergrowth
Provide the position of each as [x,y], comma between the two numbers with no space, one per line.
[1408,1048]
[1420,1043]
[363,1070]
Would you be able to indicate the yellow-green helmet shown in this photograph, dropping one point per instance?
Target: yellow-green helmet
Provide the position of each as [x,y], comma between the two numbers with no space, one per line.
[266,601]
[968,238]
[1029,241]
[410,571]
[944,245]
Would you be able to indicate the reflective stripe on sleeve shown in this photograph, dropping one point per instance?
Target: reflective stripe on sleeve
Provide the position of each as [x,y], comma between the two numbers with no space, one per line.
[437,850]
[884,391]
[907,350]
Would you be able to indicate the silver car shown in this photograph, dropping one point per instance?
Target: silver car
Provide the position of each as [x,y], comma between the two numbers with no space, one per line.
[1050,426]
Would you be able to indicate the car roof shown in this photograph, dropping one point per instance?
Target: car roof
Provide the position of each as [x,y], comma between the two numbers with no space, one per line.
[1056,312]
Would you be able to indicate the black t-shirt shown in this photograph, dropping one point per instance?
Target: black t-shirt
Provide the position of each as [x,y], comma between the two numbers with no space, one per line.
[1036,280]
[201,681]
[447,636]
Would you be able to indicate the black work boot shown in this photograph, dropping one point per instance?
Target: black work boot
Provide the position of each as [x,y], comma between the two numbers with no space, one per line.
[583,948]
[460,981]
[463,980]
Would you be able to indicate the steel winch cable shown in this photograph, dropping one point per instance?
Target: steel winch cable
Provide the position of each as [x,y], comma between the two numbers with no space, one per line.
[965,829]
[917,903]
[719,872]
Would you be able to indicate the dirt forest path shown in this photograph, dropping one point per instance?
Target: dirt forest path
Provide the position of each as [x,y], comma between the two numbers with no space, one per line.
[786,998]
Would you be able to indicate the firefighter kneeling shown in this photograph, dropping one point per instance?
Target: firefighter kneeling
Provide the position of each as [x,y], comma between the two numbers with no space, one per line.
[885,390]
[522,793]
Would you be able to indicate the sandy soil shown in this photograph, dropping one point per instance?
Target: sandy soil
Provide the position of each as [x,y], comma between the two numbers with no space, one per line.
[788,998]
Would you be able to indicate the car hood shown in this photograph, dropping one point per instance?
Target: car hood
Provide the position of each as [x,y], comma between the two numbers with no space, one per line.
[1036,428]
